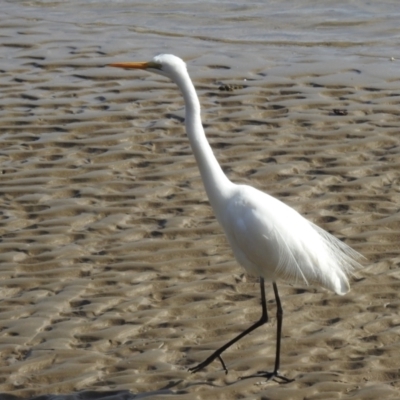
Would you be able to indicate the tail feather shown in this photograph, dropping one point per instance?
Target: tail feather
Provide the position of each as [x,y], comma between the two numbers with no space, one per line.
[328,263]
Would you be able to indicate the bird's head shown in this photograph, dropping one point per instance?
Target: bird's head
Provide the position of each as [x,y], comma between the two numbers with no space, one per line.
[164,64]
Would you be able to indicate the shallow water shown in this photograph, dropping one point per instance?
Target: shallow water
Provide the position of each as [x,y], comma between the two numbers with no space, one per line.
[115,274]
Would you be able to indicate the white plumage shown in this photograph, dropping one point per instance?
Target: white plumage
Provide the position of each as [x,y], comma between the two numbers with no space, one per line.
[268,238]
[272,240]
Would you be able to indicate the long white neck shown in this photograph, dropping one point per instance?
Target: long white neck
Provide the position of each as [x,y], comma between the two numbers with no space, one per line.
[216,183]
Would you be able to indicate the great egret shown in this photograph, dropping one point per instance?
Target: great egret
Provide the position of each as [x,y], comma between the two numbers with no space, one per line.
[268,238]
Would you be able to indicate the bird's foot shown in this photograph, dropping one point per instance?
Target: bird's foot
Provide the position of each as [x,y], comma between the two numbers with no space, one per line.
[204,364]
[274,376]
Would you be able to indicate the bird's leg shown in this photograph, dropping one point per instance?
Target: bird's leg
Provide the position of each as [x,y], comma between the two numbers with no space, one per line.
[217,353]
[275,374]
[279,318]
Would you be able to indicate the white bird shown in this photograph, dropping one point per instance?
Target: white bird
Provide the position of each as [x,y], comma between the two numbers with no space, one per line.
[269,239]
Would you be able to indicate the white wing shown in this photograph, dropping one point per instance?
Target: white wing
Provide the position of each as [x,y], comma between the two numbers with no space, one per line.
[272,240]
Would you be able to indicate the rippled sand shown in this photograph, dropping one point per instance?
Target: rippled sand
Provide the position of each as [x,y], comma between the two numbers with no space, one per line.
[115,276]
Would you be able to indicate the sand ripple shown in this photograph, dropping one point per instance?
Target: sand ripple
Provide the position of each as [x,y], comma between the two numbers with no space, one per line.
[115,276]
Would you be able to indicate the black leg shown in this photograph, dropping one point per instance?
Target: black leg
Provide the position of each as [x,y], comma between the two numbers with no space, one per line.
[279,317]
[217,353]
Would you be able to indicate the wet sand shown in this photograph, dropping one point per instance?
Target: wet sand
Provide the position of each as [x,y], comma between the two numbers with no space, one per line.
[116,277]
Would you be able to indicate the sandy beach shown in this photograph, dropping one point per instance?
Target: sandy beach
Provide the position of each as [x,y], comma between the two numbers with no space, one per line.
[115,275]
